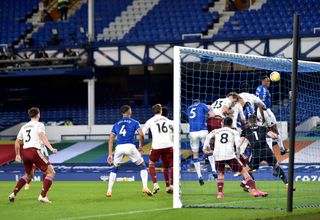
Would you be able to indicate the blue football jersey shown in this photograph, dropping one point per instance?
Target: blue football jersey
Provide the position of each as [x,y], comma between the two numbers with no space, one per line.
[197,116]
[263,93]
[125,130]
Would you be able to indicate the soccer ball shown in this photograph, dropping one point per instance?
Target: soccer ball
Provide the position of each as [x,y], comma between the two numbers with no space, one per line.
[275,76]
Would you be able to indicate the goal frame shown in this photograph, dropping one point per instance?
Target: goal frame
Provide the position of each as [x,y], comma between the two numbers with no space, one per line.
[177,202]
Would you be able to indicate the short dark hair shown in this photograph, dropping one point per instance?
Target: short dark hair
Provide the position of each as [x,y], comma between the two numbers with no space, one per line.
[264,77]
[227,121]
[33,112]
[165,111]
[195,101]
[252,119]
[234,95]
[156,108]
[124,109]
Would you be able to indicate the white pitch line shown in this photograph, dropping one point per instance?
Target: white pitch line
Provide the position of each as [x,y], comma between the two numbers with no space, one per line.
[116,214]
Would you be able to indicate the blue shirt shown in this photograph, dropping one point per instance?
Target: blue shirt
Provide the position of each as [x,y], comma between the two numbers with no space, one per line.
[263,93]
[197,116]
[247,110]
[125,130]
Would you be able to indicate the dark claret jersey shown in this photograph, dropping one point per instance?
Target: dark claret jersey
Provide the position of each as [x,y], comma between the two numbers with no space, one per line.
[256,135]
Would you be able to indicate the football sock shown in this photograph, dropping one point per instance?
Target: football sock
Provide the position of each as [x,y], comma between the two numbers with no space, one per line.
[220,184]
[197,167]
[153,173]
[250,182]
[22,181]
[171,176]
[212,162]
[44,176]
[279,141]
[47,182]
[112,179]
[279,172]
[166,176]
[29,181]
[144,176]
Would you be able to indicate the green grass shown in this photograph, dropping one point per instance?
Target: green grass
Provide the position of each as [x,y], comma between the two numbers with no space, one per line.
[86,200]
[193,194]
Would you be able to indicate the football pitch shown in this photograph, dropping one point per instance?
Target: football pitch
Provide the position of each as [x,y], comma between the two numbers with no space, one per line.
[86,200]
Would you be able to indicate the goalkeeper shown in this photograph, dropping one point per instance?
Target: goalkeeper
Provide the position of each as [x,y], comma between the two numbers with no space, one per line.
[255,136]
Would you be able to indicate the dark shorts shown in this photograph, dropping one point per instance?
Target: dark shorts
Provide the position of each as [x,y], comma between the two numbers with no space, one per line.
[259,155]
[214,123]
[235,165]
[166,155]
[33,156]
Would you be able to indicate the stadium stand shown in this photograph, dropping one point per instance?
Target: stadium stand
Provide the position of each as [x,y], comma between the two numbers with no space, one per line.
[169,20]
[273,19]
[70,33]
[13,15]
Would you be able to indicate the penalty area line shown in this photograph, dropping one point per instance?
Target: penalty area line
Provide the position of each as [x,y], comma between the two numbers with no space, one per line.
[115,214]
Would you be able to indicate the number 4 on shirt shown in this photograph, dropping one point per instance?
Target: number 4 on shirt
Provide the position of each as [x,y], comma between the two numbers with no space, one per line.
[123,130]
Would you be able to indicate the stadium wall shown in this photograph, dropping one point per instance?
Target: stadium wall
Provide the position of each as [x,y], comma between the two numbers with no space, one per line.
[96,132]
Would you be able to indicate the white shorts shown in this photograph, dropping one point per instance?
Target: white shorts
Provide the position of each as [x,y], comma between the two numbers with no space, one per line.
[269,116]
[128,150]
[197,138]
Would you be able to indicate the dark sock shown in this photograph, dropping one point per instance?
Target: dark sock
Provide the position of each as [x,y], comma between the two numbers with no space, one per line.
[250,182]
[47,182]
[279,172]
[220,184]
[166,176]
[22,181]
[171,175]
[153,174]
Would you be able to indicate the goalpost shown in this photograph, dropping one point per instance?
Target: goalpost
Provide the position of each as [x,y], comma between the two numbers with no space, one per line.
[208,75]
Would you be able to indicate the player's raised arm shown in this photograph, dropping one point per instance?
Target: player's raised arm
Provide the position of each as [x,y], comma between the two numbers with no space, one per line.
[110,146]
[141,140]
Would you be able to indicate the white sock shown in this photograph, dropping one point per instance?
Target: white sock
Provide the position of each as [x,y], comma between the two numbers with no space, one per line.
[112,179]
[279,141]
[269,142]
[144,178]
[156,185]
[197,166]
[212,163]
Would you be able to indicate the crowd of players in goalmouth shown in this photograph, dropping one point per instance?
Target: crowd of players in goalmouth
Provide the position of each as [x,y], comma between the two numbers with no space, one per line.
[242,146]
[35,156]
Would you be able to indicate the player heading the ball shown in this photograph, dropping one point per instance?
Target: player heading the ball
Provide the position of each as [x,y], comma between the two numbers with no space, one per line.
[263,93]
[34,137]
[125,130]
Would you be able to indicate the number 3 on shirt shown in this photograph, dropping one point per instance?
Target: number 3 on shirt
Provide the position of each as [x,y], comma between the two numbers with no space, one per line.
[123,130]
[192,113]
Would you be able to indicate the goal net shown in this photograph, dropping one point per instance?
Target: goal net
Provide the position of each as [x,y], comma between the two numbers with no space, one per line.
[209,75]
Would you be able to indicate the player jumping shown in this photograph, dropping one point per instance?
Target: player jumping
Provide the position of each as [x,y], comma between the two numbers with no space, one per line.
[255,136]
[162,145]
[225,139]
[33,136]
[263,93]
[197,114]
[125,130]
